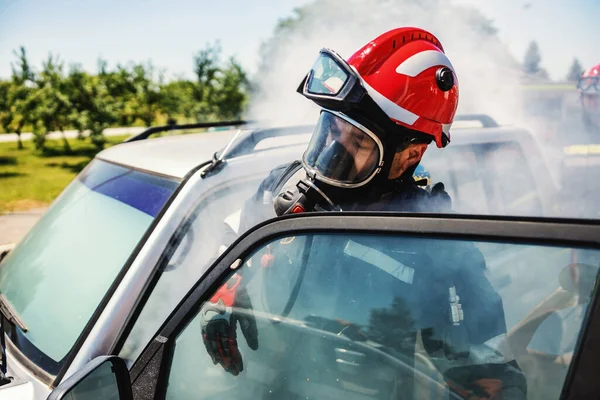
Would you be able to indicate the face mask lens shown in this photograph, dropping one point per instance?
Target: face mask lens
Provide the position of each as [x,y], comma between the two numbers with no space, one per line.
[341,152]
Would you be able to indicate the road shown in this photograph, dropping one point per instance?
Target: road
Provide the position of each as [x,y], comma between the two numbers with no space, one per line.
[12,137]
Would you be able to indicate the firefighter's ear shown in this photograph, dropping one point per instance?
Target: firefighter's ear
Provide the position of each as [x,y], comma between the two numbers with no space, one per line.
[415,153]
[405,159]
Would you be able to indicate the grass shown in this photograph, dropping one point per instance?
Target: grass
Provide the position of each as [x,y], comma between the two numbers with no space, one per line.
[30,179]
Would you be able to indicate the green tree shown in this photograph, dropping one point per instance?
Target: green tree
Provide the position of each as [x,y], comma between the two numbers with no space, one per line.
[92,107]
[147,93]
[220,91]
[121,91]
[17,105]
[575,71]
[4,89]
[231,94]
[53,100]
[533,59]
[206,68]
[177,100]
[54,109]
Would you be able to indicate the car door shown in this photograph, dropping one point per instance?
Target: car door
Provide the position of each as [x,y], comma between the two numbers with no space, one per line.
[379,306]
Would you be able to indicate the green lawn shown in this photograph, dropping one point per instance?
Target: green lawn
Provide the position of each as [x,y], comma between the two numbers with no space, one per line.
[29,179]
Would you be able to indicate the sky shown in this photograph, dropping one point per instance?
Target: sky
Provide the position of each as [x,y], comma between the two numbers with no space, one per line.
[563,29]
[169,32]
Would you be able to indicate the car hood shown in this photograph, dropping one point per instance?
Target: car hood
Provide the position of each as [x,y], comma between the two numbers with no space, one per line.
[18,391]
[25,385]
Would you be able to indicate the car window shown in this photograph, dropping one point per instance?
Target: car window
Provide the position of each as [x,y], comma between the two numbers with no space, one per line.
[491,178]
[57,275]
[368,316]
[458,168]
[512,179]
[194,248]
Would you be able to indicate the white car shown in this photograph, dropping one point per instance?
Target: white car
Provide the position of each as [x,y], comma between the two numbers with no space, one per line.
[122,261]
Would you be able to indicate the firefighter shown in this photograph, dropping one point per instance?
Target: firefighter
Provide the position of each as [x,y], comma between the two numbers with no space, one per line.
[381,109]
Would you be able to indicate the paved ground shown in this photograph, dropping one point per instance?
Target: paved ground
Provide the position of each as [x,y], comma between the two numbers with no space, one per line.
[15,225]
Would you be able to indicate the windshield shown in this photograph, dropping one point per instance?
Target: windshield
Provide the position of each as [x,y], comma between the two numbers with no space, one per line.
[58,274]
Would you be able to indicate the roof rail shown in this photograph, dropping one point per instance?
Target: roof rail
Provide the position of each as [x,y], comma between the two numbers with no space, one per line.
[164,128]
[485,120]
[247,143]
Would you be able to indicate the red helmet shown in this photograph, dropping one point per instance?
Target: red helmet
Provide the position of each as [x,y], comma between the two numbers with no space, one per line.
[398,89]
[589,89]
[408,75]
[404,71]
[590,79]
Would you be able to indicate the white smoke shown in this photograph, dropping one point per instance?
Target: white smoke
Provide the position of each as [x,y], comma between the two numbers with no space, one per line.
[487,74]
[490,79]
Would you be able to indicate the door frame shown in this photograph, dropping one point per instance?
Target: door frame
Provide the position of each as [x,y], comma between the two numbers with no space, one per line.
[580,381]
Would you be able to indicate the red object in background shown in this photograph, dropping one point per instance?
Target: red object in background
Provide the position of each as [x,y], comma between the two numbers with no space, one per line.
[589,90]
[267,260]
[589,78]
[227,294]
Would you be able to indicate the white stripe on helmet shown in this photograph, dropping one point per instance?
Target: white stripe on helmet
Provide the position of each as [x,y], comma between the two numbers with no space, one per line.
[446,129]
[392,109]
[419,62]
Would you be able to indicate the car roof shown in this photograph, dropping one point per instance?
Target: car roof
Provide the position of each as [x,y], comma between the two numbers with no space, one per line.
[177,155]
[172,156]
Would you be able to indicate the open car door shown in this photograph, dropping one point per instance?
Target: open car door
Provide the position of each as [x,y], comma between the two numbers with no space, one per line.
[379,306]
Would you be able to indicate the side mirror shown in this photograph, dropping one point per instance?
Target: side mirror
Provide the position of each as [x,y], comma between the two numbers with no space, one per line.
[578,279]
[104,377]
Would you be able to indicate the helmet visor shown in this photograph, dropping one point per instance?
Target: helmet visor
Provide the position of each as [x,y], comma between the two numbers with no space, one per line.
[342,152]
[327,77]
[332,83]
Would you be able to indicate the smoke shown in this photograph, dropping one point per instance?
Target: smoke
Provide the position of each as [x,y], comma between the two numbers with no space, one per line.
[490,79]
[487,73]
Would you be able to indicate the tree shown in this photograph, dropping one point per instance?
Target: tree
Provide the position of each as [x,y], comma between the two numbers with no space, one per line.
[121,91]
[17,107]
[575,71]
[54,108]
[4,90]
[531,63]
[147,93]
[92,107]
[53,100]
[220,91]
[206,68]
[177,100]
[231,94]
